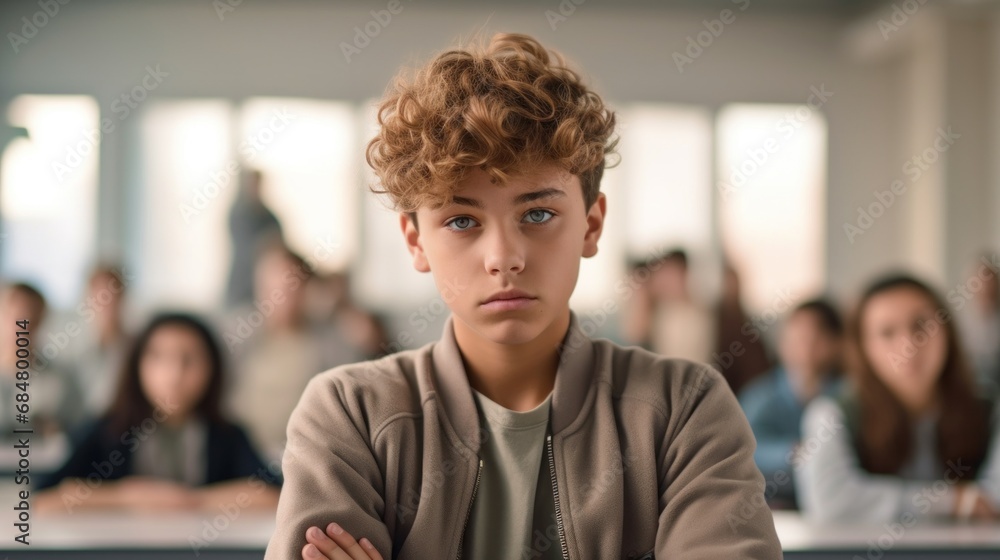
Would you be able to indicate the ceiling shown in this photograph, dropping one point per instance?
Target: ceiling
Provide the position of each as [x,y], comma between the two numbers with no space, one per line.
[814,7]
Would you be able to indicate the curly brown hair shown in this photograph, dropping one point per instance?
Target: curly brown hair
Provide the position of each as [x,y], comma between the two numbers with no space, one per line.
[504,108]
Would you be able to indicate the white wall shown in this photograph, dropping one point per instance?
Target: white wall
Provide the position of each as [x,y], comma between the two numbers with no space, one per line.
[944,61]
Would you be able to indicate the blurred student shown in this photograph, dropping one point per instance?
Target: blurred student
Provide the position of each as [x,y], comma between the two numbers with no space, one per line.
[910,438]
[276,349]
[981,325]
[638,311]
[809,348]
[738,355]
[164,444]
[664,316]
[96,355]
[344,322]
[54,405]
[251,226]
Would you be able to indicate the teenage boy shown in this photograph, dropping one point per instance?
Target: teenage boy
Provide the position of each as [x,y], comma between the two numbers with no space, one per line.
[515,435]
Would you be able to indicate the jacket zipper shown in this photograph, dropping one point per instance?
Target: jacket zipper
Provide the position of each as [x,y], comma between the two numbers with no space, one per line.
[555,494]
[468,513]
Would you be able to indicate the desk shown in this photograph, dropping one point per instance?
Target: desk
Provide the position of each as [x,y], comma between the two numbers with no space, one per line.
[155,536]
[162,536]
[924,541]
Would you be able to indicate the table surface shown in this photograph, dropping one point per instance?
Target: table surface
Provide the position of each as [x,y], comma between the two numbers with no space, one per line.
[120,529]
[797,534]
[252,529]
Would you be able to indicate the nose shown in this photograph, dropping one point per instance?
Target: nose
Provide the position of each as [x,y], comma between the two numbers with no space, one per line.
[504,252]
[175,371]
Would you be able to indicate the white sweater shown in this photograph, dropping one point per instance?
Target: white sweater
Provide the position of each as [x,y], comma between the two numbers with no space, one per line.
[833,487]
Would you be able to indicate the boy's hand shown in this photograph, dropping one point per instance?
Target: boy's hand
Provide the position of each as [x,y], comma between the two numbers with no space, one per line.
[336,544]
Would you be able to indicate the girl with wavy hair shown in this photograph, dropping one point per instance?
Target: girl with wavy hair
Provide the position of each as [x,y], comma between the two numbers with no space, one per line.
[909,438]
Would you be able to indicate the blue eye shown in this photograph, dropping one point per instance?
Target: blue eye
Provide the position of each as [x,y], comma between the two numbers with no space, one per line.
[461,223]
[538,216]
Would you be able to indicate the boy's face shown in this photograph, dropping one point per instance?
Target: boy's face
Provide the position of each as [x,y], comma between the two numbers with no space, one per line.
[527,235]
[805,347]
[669,281]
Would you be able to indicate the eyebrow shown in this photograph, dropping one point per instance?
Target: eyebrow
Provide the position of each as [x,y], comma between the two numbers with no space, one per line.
[521,198]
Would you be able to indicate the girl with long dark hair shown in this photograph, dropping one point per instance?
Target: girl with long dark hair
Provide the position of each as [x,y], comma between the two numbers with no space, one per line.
[163,444]
[910,438]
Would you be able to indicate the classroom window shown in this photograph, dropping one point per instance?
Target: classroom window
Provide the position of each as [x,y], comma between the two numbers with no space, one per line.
[771,189]
[187,186]
[192,153]
[48,194]
[659,198]
[667,162]
[306,150]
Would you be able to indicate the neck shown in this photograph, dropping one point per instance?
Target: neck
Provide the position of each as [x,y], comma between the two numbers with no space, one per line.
[108,335]
[987,308]
[175,421]
[805,384]
[920,407]
[280,323]
[516,376]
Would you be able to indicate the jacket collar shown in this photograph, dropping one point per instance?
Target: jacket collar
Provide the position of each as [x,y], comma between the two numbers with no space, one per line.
[573,381]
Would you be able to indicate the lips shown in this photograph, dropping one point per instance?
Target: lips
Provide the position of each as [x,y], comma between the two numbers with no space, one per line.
[509,300]
[508,295]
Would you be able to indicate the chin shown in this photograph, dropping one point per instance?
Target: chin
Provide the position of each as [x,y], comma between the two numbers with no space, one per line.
[509,328]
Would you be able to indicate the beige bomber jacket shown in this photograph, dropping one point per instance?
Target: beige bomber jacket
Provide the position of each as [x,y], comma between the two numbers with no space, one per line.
[649,457]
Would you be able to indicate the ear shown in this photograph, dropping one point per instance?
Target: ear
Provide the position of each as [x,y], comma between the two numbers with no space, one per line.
[595,224]
[412,237]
